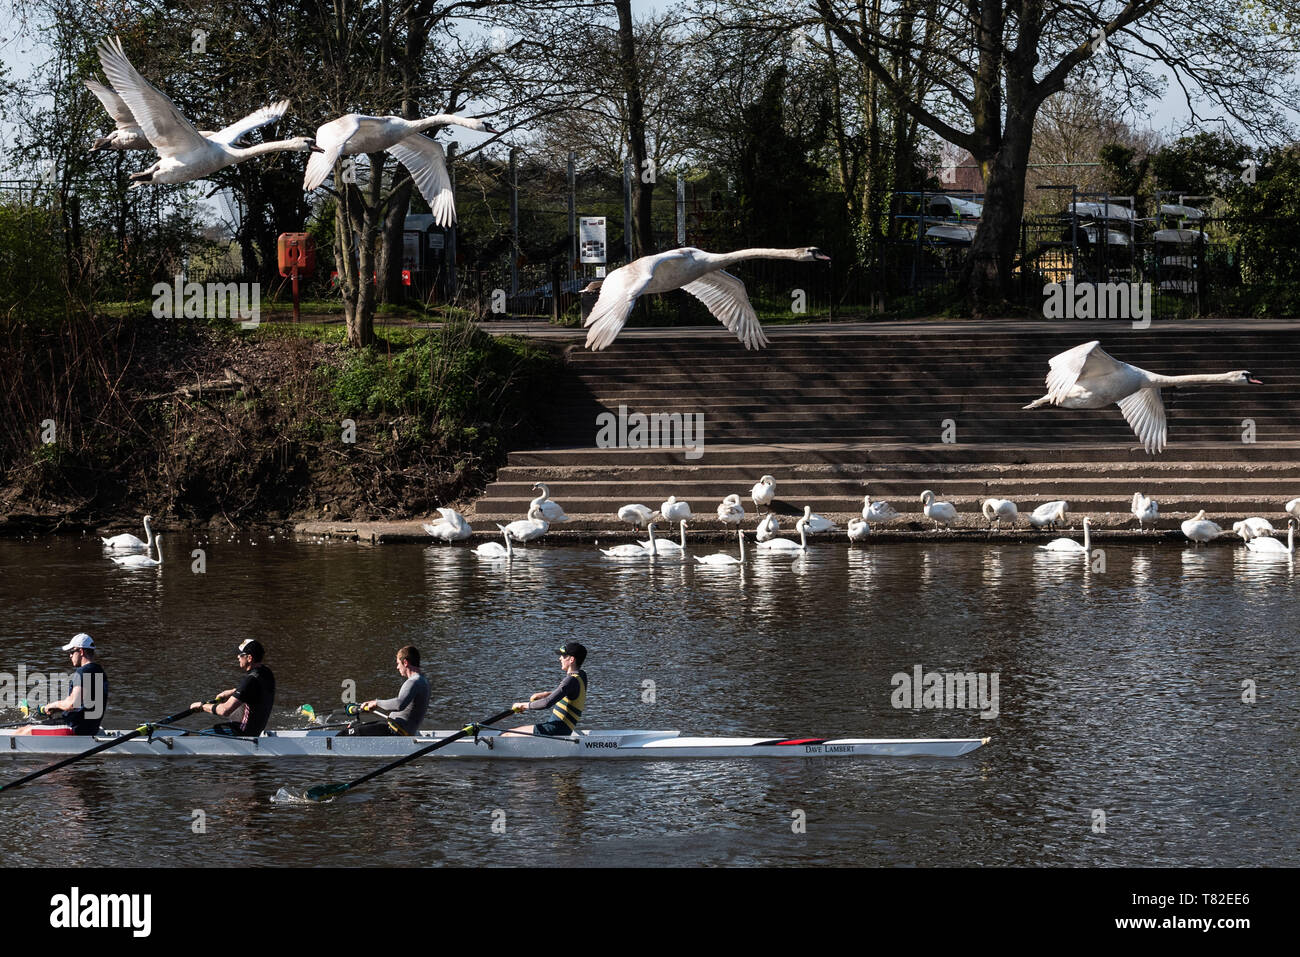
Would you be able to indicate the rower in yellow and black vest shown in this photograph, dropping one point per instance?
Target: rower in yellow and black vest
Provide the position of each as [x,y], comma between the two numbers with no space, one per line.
[567,701]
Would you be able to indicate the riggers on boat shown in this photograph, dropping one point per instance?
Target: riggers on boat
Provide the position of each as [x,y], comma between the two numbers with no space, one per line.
[487,743]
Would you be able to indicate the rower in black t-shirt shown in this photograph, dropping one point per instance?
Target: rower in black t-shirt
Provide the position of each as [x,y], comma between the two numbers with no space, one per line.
[249,705]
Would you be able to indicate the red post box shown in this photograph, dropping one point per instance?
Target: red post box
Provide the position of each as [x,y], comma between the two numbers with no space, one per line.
[296,254]
[296,250]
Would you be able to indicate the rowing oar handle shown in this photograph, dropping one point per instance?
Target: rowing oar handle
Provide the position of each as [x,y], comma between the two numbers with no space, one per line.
[120,739]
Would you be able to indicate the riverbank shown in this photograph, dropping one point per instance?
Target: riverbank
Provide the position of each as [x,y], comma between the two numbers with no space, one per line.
[206,425]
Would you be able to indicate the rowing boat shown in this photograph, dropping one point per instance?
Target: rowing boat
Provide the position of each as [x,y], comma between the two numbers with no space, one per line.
[489,743]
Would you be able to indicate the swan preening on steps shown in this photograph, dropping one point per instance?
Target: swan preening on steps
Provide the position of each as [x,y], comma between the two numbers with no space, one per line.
[1144,509]
[1049,514]
[125,542]
[858,530]
[1253,527]
[637,515]
[731,511]
[1085,377]
[768,527]
[183,153]
[551,511]
[941,513]
[763,491]
[423,158]
[1200,529]
[1267,545]
[450,527]
[997,509]
[691,270]
[877,511]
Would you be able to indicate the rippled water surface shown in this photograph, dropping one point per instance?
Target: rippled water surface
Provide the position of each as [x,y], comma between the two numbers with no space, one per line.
[1121,734]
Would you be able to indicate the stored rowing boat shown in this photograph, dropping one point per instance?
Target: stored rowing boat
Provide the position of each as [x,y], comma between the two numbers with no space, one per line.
[646,745]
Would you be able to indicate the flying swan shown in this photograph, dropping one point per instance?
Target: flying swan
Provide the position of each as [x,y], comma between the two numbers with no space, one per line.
[1085,377]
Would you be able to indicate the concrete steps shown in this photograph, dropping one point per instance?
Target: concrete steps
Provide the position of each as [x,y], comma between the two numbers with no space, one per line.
[836,413]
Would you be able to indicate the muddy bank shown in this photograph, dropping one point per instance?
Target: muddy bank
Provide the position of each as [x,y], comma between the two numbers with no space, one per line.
[113,418]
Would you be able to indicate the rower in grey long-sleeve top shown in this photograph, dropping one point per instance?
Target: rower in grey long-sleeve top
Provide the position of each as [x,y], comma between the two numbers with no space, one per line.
[406,711]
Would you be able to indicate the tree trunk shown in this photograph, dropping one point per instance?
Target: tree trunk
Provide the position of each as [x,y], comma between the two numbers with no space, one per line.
[643,174]
[994,249]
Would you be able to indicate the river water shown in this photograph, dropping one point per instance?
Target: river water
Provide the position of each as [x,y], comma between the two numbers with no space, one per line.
[1146,707]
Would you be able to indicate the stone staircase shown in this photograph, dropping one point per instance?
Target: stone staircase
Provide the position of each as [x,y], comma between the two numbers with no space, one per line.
[837,412]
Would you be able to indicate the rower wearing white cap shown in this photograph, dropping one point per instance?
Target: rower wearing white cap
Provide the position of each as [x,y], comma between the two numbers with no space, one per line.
[249,705]
[83,708]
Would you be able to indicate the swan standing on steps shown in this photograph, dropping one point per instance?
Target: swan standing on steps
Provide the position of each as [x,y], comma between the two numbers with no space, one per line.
[1085,377]
[858,530]
[941,513]
[997,509]
[784,546]
[451,527]
[528,529]
[551,511]
[1049,514]
[816,523]
[1293,507]
[637,515]
[767,528]
[183,153]
[675,511]
[1144,509]
[763,492]
[1271,546]
[1200,529]
[142,561]
[1069,544]
[691,270]
[491,550]
[722,558]
[423,158]
[1253,527]
[124,542]
[877,511]
[731,511]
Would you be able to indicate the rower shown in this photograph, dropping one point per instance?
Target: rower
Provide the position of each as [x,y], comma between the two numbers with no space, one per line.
[567,701]
[249,705]
[406,711]
[83,708]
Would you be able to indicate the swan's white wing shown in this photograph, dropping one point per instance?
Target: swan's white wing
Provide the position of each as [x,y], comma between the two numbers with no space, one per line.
[618,294]
[427,164]
[1144,411]
[167,130]
[115,105]
[254,120]
[1088,360]
[725,296]
[330,138]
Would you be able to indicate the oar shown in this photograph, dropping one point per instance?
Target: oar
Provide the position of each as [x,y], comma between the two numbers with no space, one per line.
[322,792]
[121,739]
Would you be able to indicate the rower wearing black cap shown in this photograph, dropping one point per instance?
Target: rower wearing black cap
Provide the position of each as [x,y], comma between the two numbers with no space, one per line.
[567,701]
[249,705]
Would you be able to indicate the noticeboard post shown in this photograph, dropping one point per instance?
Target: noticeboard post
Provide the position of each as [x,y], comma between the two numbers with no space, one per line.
[591,242]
